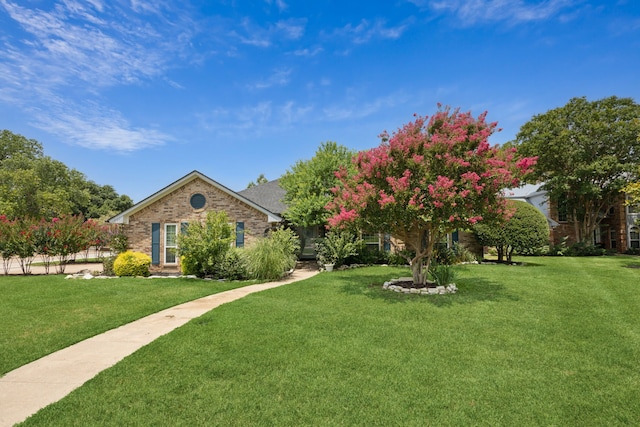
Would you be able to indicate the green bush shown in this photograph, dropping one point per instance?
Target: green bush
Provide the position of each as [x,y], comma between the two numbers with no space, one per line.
[130,263]
[204,245]
[234,267]
[585,249]
[337,246]
[270,257]
[107,266]
[526,230]
[369,256]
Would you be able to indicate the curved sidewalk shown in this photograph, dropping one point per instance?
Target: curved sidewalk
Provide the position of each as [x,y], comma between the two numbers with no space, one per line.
[26,390]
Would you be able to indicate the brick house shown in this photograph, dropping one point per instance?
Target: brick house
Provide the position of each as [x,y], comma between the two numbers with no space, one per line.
[153,224]
[618,230]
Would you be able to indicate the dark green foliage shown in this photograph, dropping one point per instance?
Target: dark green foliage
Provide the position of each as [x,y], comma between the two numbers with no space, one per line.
[370,256]
[37,186]
[587,152]
[526,230]
[585,249]
[234,267]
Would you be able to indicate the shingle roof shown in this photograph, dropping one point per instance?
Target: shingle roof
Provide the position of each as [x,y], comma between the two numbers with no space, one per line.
[268,195]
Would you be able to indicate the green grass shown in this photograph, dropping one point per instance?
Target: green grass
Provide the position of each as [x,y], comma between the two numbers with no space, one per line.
[42,314]
[554,342]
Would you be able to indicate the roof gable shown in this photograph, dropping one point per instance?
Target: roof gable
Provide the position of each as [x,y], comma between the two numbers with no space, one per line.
[123,217]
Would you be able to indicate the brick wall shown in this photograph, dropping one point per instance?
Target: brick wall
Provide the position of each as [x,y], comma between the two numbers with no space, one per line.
[175,208]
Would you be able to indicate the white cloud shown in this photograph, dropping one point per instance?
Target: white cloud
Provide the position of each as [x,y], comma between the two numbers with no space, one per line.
[280,77]
[95,128]
[265,36]
[74,48]
[366,31]
[513,11]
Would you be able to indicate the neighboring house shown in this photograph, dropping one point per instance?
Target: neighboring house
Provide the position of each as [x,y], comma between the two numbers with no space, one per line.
[618,230]
[153,224]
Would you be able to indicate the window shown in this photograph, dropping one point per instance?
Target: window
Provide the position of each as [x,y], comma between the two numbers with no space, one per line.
[372,241]
[170,243]
[197,201]
[563,210]
[239,234]
[634,237]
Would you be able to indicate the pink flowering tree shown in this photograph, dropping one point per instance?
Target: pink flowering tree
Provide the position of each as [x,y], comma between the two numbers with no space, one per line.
[429,178]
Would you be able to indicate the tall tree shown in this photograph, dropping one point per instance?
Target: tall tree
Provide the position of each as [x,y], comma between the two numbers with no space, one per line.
[35,185]
[428,179]
[308,184]
[587,152]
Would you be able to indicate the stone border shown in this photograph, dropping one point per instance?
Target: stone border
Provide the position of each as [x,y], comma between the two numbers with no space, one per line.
[451,288]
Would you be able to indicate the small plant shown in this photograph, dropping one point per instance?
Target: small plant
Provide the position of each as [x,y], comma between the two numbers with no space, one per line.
[441,274]
[336,246]
[234,266]
[130,263]
[107,266]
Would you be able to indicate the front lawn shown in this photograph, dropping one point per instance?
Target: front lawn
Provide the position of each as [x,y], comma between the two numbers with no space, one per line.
[42,314]
[554,342]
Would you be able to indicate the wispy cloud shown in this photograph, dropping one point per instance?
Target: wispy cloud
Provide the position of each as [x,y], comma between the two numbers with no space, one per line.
[511,11]
[81,48]
[279,77]
[307,52]
[97,128]
[253,34]
[366,31]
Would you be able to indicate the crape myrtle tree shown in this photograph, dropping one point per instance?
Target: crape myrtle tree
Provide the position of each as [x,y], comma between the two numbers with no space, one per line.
[587,153]
[432,176]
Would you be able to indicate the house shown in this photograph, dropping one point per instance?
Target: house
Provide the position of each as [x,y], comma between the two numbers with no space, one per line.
[153,224]
[618,229]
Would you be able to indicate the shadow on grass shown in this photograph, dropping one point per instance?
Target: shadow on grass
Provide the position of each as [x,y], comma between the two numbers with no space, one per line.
[470,290]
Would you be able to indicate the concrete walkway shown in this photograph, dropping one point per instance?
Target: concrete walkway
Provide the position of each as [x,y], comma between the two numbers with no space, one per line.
[26,390]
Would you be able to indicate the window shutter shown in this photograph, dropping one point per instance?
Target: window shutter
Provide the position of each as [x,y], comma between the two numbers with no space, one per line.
[183,227]
[387,242]
[454,236]
[155,243]
[239,234]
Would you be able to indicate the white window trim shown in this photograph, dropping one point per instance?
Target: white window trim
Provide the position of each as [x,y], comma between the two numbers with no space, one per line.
[176,225]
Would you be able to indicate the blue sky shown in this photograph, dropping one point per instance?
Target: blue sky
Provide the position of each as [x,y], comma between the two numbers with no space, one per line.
[136,94]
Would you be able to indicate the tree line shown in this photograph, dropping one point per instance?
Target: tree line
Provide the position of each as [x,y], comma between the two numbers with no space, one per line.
[33,185]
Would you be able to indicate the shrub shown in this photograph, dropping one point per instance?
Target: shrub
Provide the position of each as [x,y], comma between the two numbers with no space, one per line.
[585,249]
[270,257]
[526,230]
[337,246]
[234,266]
[107,266]
[204,245]
[130,263]
[369,256]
